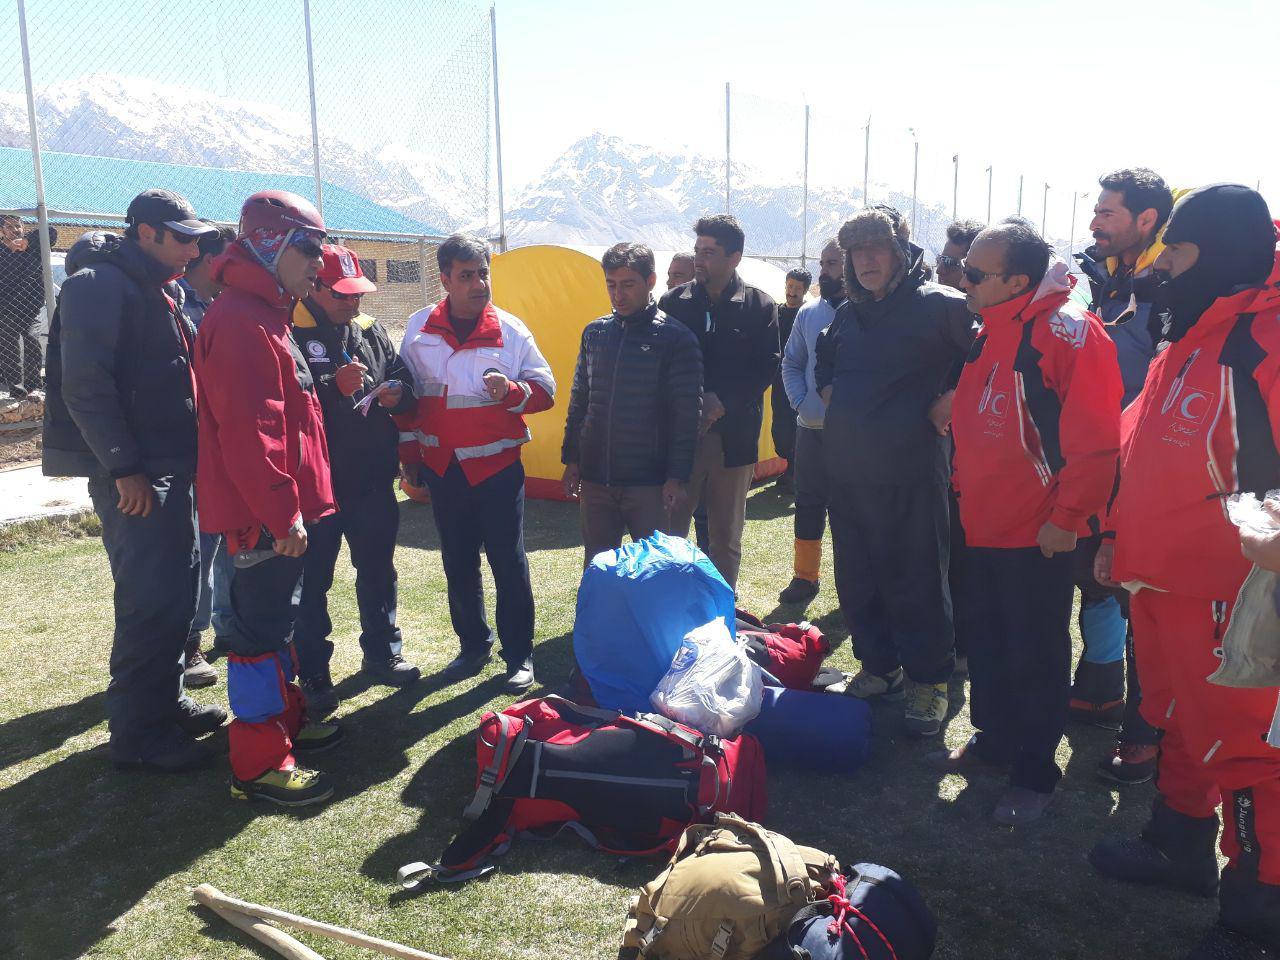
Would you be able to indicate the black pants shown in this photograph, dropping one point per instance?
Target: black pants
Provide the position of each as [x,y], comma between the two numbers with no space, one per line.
[783,427]
[16,335]
[262,607]
[369,520]
[1020,662]
[891,544]
[155,563]
[489,515]
[810,484]
[959,573]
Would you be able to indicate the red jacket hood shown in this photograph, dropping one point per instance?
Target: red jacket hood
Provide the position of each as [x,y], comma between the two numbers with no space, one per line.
[238,268]
[1052,292]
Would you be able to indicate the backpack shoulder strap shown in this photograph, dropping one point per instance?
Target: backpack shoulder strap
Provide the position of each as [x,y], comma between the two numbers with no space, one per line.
[790,872]
[505,753]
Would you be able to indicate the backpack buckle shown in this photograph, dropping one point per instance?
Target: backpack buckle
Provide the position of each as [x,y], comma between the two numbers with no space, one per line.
[720,945]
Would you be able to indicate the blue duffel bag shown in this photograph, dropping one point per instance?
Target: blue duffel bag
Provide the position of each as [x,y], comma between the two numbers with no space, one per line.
[877,916]
[635,605]
[820,731]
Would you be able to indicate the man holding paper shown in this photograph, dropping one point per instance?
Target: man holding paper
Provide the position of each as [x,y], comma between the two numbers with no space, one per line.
[360,381]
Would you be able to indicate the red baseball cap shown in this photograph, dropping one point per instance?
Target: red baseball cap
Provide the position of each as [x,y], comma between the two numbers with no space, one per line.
[341,272]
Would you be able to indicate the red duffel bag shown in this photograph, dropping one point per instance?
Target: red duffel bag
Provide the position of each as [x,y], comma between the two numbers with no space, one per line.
[627,785]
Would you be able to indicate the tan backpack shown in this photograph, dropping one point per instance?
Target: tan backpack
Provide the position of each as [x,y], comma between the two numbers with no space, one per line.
[731,888]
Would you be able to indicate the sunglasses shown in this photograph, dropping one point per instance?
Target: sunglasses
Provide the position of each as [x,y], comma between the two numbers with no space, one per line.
[976,276]
[949,263]
[340,296]
[307,244]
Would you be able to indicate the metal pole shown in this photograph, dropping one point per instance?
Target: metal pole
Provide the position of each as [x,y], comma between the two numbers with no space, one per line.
[1071,241]
[727,153]
[988,194]
[1019,194]
[866,162]
[42,212]
[804,210]
[915,178]
[422,271]
[497,130]
[1044,213]
[955,187]
[315,127]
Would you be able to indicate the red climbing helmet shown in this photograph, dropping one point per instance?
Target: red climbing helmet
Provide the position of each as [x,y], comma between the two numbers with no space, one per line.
[279,211]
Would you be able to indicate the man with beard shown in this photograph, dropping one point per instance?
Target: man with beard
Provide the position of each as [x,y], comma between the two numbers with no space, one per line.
[881,366]
[783,427]
[798,359]
[1215,392]
[1130,213]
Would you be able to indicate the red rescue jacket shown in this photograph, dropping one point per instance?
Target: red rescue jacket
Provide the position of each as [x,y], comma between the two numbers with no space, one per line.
[454,416]
[1036,418]
[1203,427]
[263,460]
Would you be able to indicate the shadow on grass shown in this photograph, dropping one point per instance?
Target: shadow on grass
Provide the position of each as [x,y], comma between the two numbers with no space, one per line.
[769,503]
[548,525]
[32,734]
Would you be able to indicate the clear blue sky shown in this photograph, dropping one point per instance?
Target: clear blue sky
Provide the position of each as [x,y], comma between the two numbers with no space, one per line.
[1055,91]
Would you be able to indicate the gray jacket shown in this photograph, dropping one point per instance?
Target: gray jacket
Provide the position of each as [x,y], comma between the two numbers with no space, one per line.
[797,362]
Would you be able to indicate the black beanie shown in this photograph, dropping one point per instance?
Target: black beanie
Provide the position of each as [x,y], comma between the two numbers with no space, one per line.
[1232,227]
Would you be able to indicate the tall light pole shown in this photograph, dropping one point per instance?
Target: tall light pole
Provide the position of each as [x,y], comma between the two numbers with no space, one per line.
[955,185]
[988,194]
[915,176]
[1020,178]
[866,162]
[1044,213]
[726,149]
[804,211]
[1071,243]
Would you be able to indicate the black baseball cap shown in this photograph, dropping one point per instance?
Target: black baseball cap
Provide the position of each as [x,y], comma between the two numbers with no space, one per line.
[166,208]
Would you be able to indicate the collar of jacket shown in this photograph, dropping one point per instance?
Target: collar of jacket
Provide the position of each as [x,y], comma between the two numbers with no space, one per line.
[1146,259]
[238,268]
[305,312]
[735,290]
[189,294]
[1249,300]
[647,315]
[487,332]
[1048,296]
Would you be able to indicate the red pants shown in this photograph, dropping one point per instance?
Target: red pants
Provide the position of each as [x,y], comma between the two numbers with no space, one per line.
[1214,748]
[270,710]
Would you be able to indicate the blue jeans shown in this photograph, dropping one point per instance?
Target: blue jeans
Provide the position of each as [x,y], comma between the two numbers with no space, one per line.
[155,566]
[214,606]
[369,521]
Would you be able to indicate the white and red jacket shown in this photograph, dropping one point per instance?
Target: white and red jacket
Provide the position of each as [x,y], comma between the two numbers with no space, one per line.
[1036,418]
[455,416]
[1203,428]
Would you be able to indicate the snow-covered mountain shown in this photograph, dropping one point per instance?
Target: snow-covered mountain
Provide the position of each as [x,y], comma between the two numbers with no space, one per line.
[604,190]
[136,119]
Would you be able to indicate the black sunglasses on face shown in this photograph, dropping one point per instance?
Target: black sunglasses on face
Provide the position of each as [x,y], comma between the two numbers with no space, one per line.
[976,276]
[340,296]
[950,263]
[308,247]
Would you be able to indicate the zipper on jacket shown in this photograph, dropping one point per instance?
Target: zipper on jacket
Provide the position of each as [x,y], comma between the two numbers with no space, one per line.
[613,393]
[1219,617]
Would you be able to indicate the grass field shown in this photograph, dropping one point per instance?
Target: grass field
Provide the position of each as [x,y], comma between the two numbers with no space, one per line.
[100,863]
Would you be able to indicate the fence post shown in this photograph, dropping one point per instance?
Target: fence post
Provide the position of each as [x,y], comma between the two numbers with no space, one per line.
[315,127]
[915,176]
[37,172]
[422,271]
[497,131]
[866,163]
[727,152]
[804,210]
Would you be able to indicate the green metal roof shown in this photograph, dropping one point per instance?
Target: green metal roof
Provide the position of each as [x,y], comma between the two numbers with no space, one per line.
[74,182]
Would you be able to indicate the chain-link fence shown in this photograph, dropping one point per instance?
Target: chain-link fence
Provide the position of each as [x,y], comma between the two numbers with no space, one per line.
[382,114]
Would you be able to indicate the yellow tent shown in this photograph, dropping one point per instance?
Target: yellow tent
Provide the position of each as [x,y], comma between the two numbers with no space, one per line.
[557,291]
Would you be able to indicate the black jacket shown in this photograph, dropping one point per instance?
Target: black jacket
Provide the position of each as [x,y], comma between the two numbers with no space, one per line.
[21,278]
[636,401]
[740,352]
[362,449]
[120,396]
[886,362]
